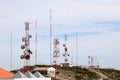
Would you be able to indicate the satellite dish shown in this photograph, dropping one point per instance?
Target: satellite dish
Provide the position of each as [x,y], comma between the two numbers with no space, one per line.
[22,46]
[27,56]
[23,39]
[22,57]
[63,45]
[29,51]
[30,36]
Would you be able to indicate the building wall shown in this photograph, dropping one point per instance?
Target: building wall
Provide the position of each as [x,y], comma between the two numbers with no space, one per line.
[51,71]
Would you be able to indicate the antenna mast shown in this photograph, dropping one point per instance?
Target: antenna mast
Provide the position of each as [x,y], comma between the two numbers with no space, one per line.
[66,50]
[26,47]
[50,35]
[56,53]
[11,52]
[36,43]
[76,49]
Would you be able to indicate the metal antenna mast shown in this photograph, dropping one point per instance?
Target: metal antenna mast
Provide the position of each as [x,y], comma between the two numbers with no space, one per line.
[11,52]
[26,53]
[76,55]
[56,53]
[76,49]
[50,36]
[89,61]
[36,43]
[66,50]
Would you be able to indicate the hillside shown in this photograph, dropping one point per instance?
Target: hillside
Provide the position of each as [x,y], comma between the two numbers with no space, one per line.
[89,74]
[111,73]
[77,73]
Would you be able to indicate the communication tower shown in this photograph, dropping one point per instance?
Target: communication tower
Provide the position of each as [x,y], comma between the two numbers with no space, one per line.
[50,34]
[66,63]
[36,40]
[11,53]
[90,61]
[26,47]
[56,53]
[65,50]
[93,62]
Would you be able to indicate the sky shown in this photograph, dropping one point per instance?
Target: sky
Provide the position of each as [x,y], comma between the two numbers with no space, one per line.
[96,23]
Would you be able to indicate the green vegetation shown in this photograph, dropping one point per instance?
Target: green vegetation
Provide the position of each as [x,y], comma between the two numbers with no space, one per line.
[111,73]
[81,73]
[110,70]
[14,71]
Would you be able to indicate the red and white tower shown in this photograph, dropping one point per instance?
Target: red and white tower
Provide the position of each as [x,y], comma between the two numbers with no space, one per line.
[56,53]
[65,50]
[26,47]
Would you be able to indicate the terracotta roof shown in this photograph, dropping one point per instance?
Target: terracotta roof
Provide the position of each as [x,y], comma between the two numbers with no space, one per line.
[5,74]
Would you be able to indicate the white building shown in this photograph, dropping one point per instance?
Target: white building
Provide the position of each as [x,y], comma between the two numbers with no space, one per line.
[49,71]
[66,64]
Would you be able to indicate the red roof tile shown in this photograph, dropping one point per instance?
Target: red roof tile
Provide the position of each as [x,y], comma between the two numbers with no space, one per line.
[5,74]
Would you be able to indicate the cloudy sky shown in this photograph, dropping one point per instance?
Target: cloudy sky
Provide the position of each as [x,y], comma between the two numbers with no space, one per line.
[97,23]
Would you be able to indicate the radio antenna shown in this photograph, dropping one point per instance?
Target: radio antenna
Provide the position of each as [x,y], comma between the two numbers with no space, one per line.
[50,36]
[11,52]
[36,42]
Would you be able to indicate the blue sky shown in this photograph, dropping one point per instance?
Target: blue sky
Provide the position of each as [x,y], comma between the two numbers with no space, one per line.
[96,22]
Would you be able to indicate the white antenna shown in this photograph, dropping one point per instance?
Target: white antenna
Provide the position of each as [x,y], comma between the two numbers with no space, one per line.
[36,42]
[89,60]
[11,52]
[65,50]
[50,36]
[76,49]
[72,57]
